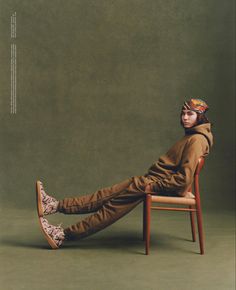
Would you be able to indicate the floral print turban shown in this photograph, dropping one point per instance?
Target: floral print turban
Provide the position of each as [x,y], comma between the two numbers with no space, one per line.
[196,105]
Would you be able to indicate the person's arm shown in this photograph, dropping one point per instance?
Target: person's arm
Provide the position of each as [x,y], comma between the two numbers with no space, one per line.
[180,181]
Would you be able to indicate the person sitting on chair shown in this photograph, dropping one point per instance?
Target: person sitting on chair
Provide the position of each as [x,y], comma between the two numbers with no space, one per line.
[172,175]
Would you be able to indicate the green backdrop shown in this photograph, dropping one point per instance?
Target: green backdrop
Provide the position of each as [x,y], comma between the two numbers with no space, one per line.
[100,85]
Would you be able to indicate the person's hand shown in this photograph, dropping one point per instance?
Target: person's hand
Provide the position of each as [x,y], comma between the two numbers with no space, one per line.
[189,194]
[148,188]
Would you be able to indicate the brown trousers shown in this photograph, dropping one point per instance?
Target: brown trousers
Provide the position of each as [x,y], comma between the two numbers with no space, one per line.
[108,205]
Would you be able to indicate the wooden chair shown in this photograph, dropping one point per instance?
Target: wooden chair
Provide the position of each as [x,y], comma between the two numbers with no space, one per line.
[191,205]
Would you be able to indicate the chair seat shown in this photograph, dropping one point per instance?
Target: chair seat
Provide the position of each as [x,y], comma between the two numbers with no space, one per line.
[173,200]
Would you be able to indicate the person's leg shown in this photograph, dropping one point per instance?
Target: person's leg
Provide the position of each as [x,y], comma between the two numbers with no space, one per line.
[110,211]
[92,202]
[47,204]
[111,204]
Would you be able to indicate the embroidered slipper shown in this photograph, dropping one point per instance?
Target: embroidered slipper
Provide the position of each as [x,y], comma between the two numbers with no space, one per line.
[46,204]
[53,234]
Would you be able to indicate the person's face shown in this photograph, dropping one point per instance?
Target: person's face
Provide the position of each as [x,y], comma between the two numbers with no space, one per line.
[189,118]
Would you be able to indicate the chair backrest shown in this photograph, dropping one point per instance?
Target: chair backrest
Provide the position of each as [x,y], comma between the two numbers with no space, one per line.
[198,169]
[201,162]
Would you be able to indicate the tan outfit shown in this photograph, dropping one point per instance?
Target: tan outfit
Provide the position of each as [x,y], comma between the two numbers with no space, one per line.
[174,171]
[172,174]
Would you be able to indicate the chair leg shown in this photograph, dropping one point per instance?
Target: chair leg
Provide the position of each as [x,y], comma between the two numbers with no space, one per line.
[200,229]
[144,219]
[192,224]
[148,222]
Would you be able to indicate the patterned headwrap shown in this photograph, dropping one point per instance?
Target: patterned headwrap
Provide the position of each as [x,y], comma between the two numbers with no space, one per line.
[196,105]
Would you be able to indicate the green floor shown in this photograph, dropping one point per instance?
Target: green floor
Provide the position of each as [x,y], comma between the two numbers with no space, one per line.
[114,258]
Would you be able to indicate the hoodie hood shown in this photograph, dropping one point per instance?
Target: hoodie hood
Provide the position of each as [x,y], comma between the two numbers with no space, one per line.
[204,129]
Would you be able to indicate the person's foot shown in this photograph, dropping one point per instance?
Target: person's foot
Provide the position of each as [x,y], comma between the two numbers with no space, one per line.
[46,204]
[54,234]
[189,195]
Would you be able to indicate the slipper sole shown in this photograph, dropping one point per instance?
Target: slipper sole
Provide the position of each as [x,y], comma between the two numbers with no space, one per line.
[39,200]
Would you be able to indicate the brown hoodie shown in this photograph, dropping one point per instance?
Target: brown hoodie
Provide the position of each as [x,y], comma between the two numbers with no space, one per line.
[174,171]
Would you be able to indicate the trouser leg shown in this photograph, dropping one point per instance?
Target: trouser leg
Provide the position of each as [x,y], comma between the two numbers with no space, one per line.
[111,211]
[92,202]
